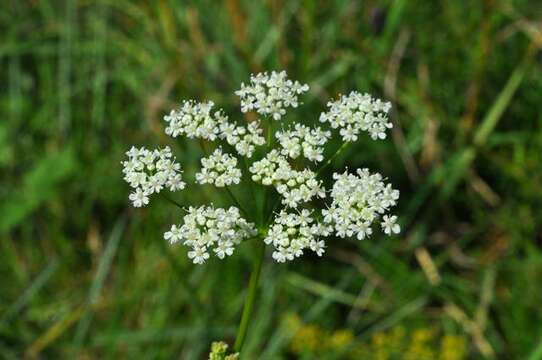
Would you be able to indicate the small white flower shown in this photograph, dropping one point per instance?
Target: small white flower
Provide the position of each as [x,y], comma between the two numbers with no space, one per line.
[363,229]
[198,255]
[244,139]
[193,119]
[303,140]
[280,255]
[175,182]
[389,225]
[219,169]
[148,172]
[155,184]
[139,198]
[173,235]
[357,201]
[224,248]
[358,112]
[207,227]
[270,93]
[295,186]
[291,233]
[319,247]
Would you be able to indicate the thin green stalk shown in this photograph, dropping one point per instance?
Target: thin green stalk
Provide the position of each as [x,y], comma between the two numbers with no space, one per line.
[251,296]
[250,182]
[326,164]
[167,198]
[266,191]
[230,193]
[277,204]
[270,133]
[503,100]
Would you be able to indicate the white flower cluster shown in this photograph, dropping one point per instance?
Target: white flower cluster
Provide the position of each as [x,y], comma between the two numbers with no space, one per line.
[270,94]
[244,139]
[196,120]
[358,112]
[219,169]
[304,140]
[205,228]
[149,171]
[359,200]
[291,233]
[294,186]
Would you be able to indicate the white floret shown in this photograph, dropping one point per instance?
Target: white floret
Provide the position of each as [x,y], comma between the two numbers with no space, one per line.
[358,200]
[292,233]
[195,120]
[205,228]
[149,172]
[219,169]
[295,186]
[269,94]
[303,140]
[358,112]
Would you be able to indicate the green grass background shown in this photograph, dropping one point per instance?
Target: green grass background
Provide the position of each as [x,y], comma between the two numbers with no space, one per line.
[84,275]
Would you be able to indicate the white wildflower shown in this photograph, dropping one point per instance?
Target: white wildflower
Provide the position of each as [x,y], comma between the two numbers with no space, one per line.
[198,120]
[303,140]
[358,200]
[270,94]
[295,186]
[224,248]
[198,254]
[173,235]
[389,225]
[149,171]
[207,228]
[244,139]
[292,233]
[139,198]
[318,247]
[195,120]
[219,169]
[358,112]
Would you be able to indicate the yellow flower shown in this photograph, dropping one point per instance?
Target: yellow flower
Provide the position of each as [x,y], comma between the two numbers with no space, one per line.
[380,347]
[307,338]
[419,347]
[340,339]
[453,347]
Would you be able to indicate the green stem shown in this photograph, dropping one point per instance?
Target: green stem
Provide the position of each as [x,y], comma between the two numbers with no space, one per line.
[270,133]
[339,150]
[275,207]
[266,191]
[167,198]
[251,296]
[230,193]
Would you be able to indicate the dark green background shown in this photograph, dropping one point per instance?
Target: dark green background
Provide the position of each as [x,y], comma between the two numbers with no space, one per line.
[82,274]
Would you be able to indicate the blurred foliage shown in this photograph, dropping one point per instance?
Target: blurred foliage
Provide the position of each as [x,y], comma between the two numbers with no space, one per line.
[311,341]
[84,275]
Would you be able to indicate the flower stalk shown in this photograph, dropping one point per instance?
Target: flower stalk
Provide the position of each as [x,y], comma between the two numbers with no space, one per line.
[332,157]
[250,297]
